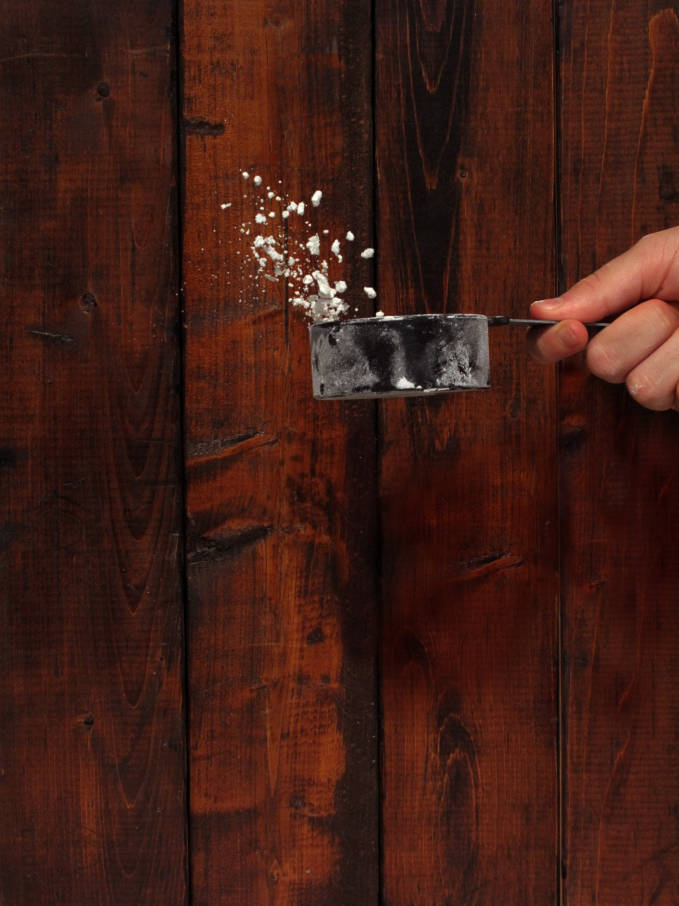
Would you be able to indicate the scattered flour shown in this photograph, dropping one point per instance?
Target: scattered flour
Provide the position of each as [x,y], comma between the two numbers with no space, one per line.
[292,252]
[313,243]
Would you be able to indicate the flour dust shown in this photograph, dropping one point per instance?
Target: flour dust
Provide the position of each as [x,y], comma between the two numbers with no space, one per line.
[284,244]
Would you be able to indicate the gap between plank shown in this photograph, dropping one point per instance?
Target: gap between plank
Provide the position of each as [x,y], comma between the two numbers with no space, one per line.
[180,170]
[559,287]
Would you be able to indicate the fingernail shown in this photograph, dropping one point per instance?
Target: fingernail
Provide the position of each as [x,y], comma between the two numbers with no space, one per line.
[547,304]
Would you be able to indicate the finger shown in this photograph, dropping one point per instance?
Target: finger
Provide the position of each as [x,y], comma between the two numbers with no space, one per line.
[549,345]
[654,383]
[650,269]
[630,339]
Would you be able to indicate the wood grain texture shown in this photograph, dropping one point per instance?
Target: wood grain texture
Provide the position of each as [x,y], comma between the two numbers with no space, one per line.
[91,749]
[281,490]
[468,483]
[620,502]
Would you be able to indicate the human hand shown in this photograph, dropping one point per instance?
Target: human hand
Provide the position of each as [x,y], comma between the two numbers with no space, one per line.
[639,348]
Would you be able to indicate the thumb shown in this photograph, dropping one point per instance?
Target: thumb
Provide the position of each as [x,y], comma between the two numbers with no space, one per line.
[650,269]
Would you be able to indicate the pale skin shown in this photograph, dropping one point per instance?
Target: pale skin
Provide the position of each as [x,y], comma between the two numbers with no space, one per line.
[640,289]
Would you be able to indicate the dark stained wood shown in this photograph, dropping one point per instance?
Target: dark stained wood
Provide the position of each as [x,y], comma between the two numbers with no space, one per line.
[468,483]
[91,748]
[492,506]
[620,506]
[281,490]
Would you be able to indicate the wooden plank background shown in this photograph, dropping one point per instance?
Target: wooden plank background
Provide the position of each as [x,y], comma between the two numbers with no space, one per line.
[281,500]
[619,502]
[470,557]
[92,744]
[428,647]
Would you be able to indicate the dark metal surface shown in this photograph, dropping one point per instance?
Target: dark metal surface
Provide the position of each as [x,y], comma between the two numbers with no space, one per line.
[417,355]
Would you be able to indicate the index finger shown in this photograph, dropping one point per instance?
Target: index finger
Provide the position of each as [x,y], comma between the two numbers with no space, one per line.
[649,269]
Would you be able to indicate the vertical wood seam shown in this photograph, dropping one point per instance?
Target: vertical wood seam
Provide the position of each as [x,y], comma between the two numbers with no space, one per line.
[379,585]
[559,288]
[180,169]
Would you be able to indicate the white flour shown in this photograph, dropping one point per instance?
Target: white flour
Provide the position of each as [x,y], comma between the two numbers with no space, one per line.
[292,249]
[313,243]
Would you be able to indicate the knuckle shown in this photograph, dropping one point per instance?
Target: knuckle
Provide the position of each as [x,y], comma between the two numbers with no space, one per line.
[603,362]
[592,283]
[654,244]
[647,239]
